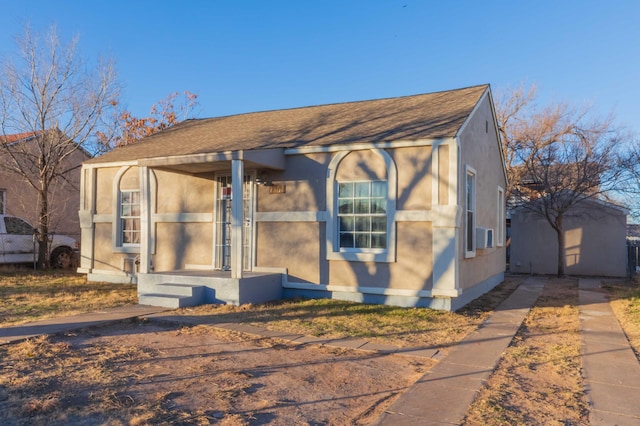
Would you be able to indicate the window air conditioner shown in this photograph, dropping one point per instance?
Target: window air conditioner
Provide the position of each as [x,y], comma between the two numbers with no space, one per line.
[484,238]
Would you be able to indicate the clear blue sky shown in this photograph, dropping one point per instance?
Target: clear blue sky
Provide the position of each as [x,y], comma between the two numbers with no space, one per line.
[243,56]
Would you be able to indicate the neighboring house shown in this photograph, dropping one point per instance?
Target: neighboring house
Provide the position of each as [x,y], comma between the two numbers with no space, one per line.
[19,198]
[397,201]
[595,241]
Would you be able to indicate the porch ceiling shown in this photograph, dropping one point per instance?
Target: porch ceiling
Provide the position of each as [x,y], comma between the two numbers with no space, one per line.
[214,162]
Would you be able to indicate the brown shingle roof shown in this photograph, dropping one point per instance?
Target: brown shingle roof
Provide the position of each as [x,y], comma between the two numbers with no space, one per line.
[427,116]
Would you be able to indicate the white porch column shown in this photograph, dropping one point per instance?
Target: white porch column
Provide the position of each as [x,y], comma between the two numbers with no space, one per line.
[145,221]
[237,214]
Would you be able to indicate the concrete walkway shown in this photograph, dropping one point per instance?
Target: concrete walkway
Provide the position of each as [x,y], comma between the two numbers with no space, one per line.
[610,368]
[64,324]
[443,395]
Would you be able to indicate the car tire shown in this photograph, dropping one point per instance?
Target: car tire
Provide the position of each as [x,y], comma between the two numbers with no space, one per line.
[62,258]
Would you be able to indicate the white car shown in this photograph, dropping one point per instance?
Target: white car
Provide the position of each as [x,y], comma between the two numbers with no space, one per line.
[17,244]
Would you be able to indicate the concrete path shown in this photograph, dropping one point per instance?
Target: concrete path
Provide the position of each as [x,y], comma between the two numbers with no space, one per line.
[443,395]
[64,324]
[610,368]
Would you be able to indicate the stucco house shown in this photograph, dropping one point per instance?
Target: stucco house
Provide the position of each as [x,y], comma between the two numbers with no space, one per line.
[397,201]
[594,235]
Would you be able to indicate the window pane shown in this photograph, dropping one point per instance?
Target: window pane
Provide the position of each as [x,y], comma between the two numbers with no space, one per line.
[470,189]
[126,198]
[362,241]
[378,206]
[363,224]
[345,206]
[362,189]
[362,206]
[379,189]
[361,209]
[345,190]
[346,240]
[135,197]
[470,230]
[379,241]
[135,210]
[347,223]
[126,210]
[379,224]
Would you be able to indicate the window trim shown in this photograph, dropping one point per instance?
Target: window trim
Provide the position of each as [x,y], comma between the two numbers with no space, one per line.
[116,228]
[500,226]
[121,229]
[369,215]
[334,252]
[470,229]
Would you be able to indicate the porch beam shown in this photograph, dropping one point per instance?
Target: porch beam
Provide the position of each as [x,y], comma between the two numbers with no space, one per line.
[237,214]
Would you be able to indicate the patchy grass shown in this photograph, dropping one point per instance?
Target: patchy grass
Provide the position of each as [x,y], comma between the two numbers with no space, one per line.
[27,295]
[625,302]
[538,379]
[338,319]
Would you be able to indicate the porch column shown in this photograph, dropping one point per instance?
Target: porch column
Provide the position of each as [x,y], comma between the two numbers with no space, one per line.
[237,213]
[145,221]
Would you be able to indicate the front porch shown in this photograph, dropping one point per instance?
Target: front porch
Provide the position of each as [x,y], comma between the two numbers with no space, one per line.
[178,289]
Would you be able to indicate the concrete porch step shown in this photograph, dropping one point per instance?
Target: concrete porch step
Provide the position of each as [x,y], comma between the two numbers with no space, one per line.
[167,300]
[173,295]
[174,289]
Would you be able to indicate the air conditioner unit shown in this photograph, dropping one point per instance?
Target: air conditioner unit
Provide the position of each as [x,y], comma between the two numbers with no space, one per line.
[484,238]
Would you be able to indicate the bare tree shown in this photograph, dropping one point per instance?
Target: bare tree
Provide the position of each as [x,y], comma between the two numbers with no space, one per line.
[558,157]
[56,100]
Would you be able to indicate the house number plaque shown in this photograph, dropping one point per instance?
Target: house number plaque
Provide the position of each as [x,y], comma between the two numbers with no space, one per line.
[277,189]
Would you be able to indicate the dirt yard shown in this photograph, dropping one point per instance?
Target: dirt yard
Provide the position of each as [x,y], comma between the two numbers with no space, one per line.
[156,373]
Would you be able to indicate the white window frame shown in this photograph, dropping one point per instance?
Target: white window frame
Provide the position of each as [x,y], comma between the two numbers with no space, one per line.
[470,228]
[501,218]
[355,215]
[334,252]
[121,229]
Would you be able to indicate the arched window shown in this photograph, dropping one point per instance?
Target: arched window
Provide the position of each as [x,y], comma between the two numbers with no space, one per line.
[127,210]
[361,202]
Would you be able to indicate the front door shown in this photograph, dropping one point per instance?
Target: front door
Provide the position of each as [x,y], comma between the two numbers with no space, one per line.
[223,222]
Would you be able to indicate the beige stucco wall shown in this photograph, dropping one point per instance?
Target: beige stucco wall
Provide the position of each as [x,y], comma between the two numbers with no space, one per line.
[178,240]
[479,149]
[595,242]
[180,244]
[301,246]
[304,179]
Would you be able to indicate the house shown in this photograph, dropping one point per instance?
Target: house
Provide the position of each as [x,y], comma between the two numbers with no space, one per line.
[594,241]
[397,201]
[19,198]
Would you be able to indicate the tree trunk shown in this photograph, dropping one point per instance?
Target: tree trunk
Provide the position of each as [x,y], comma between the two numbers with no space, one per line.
[43,227]
[560,233]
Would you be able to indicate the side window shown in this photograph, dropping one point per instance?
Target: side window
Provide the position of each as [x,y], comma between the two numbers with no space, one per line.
[362,215]
[129,219]
[501,218]
[17,226]
[3,201]
[470,209]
